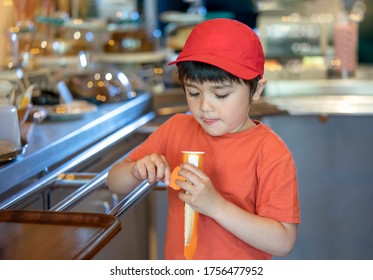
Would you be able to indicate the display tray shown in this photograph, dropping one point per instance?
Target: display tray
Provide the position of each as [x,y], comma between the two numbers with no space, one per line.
[47,235]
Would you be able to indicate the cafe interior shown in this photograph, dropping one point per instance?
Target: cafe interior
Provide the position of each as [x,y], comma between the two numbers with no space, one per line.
[84,82]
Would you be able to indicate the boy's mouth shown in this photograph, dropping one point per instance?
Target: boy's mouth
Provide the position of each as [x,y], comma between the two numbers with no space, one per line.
[209,121]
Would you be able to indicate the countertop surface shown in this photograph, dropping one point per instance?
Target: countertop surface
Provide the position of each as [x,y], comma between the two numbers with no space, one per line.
[53,141]
[332,96]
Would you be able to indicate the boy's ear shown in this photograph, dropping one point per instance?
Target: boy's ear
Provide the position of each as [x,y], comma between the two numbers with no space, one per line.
[259,89]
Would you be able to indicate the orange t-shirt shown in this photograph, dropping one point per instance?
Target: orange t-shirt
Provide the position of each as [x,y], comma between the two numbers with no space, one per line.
[253,169]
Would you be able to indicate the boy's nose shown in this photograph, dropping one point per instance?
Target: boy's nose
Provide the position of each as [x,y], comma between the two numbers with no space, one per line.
[205,104]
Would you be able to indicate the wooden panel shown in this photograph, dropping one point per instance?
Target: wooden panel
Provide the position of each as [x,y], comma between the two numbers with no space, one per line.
[43,235]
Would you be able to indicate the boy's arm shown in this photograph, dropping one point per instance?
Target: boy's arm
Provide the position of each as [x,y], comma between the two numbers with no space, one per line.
[120,178]
[266,234]
[127,174]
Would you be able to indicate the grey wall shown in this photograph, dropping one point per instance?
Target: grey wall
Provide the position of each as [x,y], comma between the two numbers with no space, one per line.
[335,171]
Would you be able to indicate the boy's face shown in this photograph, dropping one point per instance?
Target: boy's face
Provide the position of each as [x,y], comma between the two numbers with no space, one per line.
[221,108]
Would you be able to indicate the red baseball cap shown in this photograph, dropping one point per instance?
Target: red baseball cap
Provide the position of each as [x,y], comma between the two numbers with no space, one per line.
[227,44]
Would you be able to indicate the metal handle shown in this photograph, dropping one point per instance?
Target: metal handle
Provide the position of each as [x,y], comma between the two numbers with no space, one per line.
[132,198]
[71,200]
[75,178]
[121,208]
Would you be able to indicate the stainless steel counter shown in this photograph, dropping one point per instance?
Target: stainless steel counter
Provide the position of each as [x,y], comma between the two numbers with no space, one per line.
[349,96]
[358,105]
[52,142]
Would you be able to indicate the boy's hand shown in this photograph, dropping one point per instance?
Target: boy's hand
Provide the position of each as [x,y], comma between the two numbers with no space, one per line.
[202,195]
[153,167]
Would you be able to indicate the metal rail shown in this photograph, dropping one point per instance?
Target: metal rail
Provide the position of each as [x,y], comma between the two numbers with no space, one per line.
[75,178]
[74,198]
[132,198]
[121,208]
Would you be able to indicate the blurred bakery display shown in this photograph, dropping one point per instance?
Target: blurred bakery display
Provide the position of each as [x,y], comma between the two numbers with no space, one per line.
[298,37]
[116,38]
[61,29]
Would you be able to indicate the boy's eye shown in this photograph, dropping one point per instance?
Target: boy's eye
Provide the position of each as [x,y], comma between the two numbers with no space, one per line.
[192,94]
[222,96]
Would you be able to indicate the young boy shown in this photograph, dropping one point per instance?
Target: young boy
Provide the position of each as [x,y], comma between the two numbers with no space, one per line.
[246,195]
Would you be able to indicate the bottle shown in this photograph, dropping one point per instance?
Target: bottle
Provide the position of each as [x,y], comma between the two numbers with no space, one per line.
[345,45]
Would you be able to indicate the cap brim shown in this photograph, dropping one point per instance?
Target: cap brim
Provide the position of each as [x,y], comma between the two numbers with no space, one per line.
[225,64]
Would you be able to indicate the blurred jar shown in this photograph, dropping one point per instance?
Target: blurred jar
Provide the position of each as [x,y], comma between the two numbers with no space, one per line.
[78,35]
[127,39]
[345,46]
[10,138]
[116,10]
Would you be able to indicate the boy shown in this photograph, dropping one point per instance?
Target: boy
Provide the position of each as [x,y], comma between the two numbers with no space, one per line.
[246,195]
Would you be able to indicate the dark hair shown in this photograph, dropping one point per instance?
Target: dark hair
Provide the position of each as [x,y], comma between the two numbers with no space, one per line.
[200,72]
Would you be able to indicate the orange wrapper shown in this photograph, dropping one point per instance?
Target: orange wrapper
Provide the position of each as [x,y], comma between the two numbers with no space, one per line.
[175,176]
[190,216]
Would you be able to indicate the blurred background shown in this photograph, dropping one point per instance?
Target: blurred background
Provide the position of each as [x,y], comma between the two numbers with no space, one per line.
[81,74]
